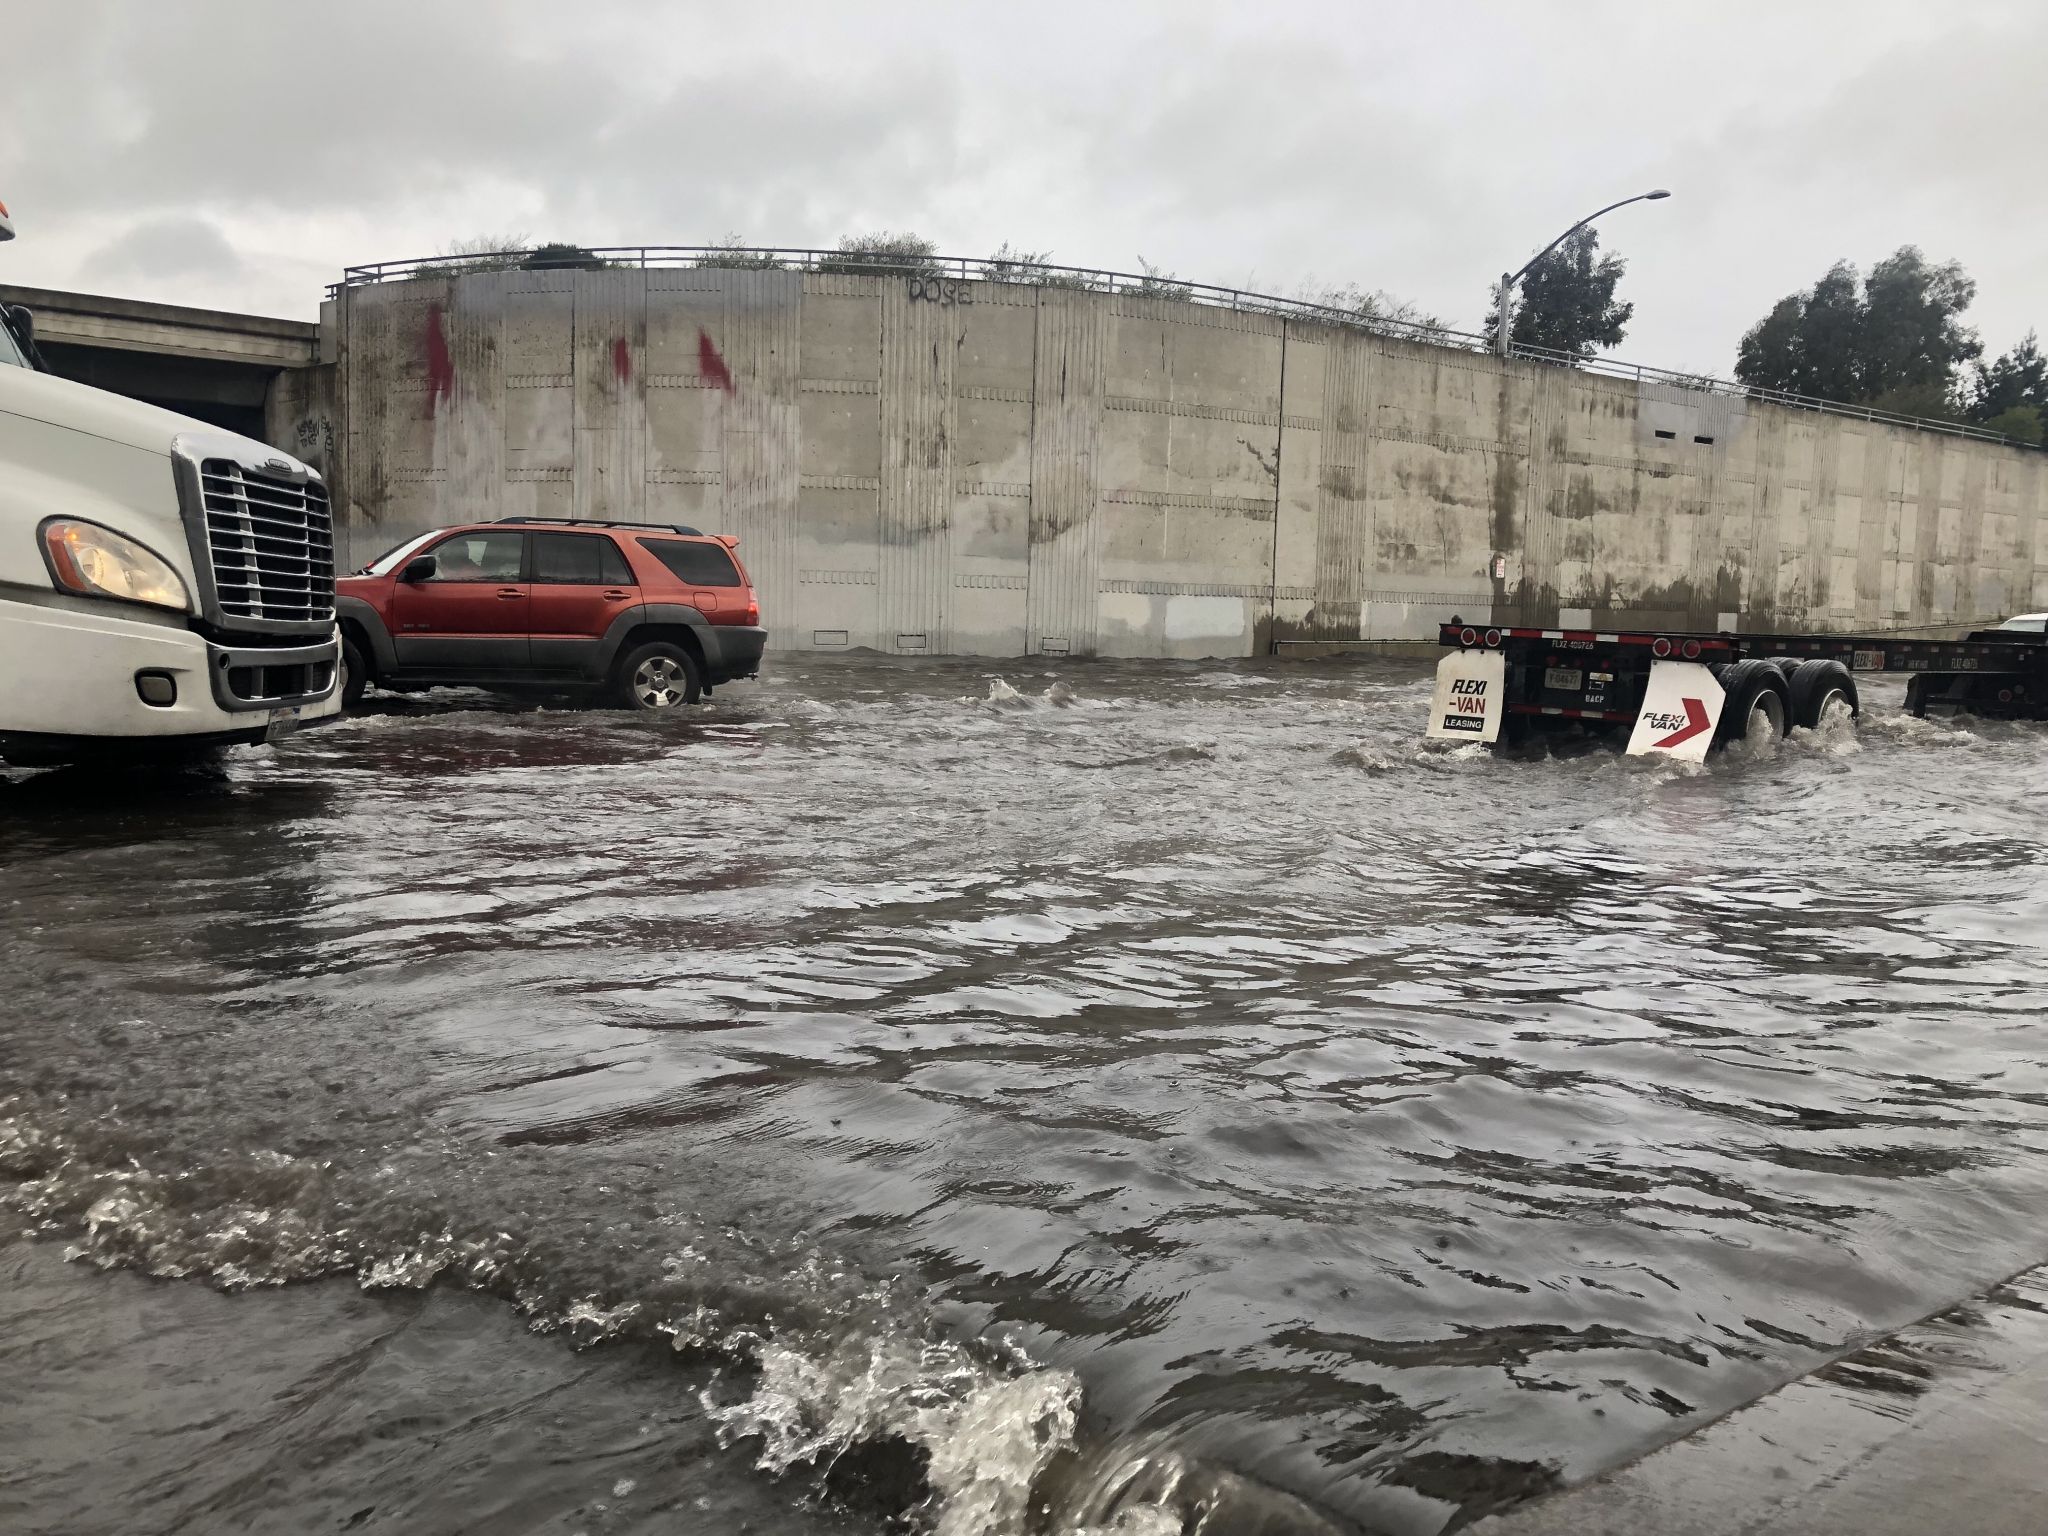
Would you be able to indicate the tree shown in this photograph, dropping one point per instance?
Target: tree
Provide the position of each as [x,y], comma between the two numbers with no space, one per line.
[2011,394]
[1567,300]
[2023,424]
[1895,340]
[1807,344]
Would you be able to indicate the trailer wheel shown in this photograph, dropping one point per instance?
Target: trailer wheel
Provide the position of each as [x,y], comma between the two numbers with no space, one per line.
[1754,687]
[1818,685]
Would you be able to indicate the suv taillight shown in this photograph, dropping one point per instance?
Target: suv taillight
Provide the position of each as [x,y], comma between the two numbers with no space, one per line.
[732,608]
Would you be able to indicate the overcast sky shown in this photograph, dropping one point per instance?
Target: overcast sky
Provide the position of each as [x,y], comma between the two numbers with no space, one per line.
[239,153]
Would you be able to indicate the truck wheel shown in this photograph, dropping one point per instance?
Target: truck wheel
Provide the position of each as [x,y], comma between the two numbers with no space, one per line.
[1819,686]
[355,674]
[1753,687]
[657,677]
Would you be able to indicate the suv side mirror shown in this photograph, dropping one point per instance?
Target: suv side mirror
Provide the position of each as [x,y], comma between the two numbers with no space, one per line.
[419,568]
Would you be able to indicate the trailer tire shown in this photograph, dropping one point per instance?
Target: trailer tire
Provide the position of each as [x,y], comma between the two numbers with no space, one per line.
[1814,684]
[1753,687]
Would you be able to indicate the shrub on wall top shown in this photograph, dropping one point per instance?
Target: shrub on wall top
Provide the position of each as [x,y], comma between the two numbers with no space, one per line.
[558,253]
[881,255]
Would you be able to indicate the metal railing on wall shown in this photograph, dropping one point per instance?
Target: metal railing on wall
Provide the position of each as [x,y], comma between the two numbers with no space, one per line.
[946,269]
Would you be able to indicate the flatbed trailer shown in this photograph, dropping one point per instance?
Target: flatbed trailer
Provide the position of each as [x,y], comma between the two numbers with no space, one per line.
[1683,693]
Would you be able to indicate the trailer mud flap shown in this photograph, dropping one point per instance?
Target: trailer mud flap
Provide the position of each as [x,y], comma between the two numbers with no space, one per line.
[1468,705]
[1680,709]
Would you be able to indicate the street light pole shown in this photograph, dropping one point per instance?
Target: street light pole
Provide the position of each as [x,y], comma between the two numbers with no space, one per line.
[1509,279]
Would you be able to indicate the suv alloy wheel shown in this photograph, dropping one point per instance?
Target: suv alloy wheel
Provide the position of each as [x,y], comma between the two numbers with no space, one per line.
[659,677]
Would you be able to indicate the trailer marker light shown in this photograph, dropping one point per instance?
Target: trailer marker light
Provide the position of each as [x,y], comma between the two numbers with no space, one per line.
[1468,636]
[1660,647]
[1493,637]
[1690,650]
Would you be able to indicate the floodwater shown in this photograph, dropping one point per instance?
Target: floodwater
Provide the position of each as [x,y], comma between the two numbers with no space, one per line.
[1119,1098]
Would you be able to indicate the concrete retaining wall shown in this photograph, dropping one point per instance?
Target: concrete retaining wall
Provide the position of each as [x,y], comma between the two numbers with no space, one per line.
[925,465]
[302,414]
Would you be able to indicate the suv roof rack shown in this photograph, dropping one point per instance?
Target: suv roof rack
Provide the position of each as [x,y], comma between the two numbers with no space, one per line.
[603,522]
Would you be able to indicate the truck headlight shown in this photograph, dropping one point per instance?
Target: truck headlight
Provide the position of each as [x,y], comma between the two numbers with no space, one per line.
[97,562]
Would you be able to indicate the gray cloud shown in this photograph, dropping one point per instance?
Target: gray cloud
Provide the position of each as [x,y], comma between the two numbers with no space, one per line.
[165,249]
[1416,148]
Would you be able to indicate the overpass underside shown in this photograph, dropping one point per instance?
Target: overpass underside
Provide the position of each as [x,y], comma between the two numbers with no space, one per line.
[212,365]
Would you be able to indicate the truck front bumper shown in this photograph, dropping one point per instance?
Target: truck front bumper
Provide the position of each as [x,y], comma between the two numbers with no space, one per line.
[74,682]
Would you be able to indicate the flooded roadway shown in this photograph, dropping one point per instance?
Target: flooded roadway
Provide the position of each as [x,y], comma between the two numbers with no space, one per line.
[1042,1100]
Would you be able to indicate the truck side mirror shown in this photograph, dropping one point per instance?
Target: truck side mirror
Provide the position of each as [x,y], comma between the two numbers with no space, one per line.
[420,568]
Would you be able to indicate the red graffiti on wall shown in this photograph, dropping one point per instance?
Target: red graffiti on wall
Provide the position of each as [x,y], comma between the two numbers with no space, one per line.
[710,366]
[622,361]
[440,366]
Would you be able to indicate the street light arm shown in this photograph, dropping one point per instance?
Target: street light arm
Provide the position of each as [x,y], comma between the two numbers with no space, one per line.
[1589,218]
[1508,280]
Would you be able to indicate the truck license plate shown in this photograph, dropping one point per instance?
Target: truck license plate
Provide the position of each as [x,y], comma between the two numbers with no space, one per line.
[1563,679]
[283,722]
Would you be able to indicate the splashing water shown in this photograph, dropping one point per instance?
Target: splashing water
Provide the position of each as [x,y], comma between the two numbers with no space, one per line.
[987,1438]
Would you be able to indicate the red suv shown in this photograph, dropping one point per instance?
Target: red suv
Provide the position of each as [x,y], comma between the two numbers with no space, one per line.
[653,614]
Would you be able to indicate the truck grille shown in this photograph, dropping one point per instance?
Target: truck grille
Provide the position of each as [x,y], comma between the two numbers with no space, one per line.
[271,540]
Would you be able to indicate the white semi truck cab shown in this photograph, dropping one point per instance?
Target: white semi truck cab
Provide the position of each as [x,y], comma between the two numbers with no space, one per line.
[164,585]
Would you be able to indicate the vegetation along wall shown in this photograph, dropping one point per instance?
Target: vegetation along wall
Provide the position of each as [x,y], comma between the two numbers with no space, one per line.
[917,464]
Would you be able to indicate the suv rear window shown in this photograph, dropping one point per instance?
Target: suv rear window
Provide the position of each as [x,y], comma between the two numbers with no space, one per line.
[698,565]
[579,559]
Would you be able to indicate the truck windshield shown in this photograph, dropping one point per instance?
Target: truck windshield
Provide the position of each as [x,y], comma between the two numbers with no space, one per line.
[10,350]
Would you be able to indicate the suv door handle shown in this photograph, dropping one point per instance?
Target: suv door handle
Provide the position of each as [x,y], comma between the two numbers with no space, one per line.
[616,594]
[510,592]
